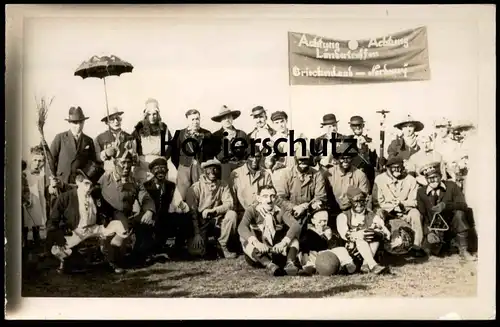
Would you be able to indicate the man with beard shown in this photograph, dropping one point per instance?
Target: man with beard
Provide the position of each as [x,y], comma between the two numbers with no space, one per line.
[395,197]
[171,217]
[247,179]
[234,137]
[78,212]
[443,200]
[300,187]
[112,141]
[322,143]
[406,145]
[262,130]
[73,149]
[189,151]
[366,159]
[120,191]
[269,235]
[211,204]
[343,175]
[151,135]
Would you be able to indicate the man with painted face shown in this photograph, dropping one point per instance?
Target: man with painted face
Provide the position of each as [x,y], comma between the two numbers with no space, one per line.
[269,235]
[211,204]
[363,230]
[79,211]
[395,197]
[300,187]
[171,219]
[247,179]
[262,129]
[120,191]
[406,145]
[443,200]
[73,149]
[112,141]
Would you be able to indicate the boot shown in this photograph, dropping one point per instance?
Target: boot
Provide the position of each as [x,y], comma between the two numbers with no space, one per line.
[228,254]
[462,240]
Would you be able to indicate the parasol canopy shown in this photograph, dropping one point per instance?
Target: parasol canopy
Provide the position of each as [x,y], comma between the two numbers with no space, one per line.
[102,67]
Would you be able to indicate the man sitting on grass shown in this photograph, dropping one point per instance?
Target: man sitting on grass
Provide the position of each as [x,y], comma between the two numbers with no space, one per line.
[269,235]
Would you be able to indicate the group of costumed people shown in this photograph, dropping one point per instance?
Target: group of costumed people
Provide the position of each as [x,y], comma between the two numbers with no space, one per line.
[298,214]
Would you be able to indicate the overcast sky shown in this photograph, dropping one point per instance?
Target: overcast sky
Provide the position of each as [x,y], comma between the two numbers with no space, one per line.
[209,61]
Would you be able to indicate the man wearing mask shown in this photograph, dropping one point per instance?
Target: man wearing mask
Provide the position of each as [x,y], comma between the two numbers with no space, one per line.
[186,156]
[262,129]
[444,200]
[112,141]
[300,187]
[234,137]
[395,197]
[120,191]
[151,135]
[211,204]
[366,160]
[406,145]
[73,149]
[171,218]
[246,180]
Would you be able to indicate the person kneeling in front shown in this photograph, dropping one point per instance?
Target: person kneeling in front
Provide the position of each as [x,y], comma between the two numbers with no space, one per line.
[211,204]
[269,235]
[77,210]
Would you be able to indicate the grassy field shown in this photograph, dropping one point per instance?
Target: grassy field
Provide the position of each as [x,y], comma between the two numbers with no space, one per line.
[435,277]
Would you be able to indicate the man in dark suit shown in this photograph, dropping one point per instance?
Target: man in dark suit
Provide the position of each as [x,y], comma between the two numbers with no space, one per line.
[443,206]
[72,149]
[321,144]
[78,215]
[186,156]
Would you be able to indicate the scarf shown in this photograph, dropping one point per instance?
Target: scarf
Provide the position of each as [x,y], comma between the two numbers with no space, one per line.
[268,230]
[212,186]
[411,141]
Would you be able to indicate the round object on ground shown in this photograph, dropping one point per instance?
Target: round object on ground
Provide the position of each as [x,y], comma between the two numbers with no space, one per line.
[327,263]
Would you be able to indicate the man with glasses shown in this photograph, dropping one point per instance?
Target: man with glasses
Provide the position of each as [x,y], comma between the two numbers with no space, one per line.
[395,197]
[112,141]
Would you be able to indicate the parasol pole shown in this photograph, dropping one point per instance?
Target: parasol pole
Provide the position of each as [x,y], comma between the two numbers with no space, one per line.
[106,96]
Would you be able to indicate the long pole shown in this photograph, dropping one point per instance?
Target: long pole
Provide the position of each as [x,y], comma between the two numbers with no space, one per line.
[106,95]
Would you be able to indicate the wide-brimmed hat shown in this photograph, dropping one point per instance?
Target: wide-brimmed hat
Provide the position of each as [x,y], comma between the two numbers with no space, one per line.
[329,119]
[462,126]
[356,120]
[113,112]
[91,171]
[418,125]
[257,111]
[278,115]
[210,162]
[158,162]
[224,111]
[75,114]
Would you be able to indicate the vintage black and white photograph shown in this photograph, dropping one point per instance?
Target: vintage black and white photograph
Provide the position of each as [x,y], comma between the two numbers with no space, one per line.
[254,152]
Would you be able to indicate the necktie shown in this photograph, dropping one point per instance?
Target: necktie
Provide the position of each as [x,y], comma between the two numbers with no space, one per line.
[434,197]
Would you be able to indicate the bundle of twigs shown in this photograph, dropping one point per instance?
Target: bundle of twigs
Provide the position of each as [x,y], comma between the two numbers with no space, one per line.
[42,107]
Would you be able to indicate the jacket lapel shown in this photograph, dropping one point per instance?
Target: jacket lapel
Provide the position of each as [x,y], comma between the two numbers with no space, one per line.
[70,141]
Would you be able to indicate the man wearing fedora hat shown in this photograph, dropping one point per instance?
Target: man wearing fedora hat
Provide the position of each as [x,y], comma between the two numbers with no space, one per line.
[151,136]
[77,215]
[229,157]
[366,159]
[262,129]
[406,145]
[112,141]
[72,149]
[211,204]
[444,200]
[189,151]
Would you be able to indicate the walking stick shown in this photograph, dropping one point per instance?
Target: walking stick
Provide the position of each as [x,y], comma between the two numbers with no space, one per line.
[381,159]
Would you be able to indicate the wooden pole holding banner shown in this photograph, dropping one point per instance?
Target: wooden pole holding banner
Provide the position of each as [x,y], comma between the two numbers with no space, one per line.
[381,158]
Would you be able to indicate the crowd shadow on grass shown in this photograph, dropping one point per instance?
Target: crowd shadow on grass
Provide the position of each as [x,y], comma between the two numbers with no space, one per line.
[189,275]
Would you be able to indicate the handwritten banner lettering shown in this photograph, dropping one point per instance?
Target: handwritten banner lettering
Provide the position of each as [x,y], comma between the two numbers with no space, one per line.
[315,60]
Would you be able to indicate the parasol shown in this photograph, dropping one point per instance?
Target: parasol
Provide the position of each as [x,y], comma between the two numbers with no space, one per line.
[102,67]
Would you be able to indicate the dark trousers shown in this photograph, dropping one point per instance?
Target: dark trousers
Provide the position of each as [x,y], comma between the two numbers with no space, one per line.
[458,227]
[176,225]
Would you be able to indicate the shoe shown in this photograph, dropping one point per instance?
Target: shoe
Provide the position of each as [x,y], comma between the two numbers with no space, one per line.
[350,267]
[417,252]
[274,270]
[291,269]
[378,269]
[117,270]
[307,271]
[228,254]
[364,269]
[466,256]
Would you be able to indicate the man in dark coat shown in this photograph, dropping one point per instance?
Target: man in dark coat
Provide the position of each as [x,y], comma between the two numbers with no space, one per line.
[330,122]
[73,149]
[77,216]
[186,156]
[171,218]
[443,206]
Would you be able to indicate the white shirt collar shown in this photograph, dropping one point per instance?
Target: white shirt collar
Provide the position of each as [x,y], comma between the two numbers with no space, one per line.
[429,189]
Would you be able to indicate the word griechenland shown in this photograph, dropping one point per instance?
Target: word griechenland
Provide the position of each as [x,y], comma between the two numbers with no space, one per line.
[241,147]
